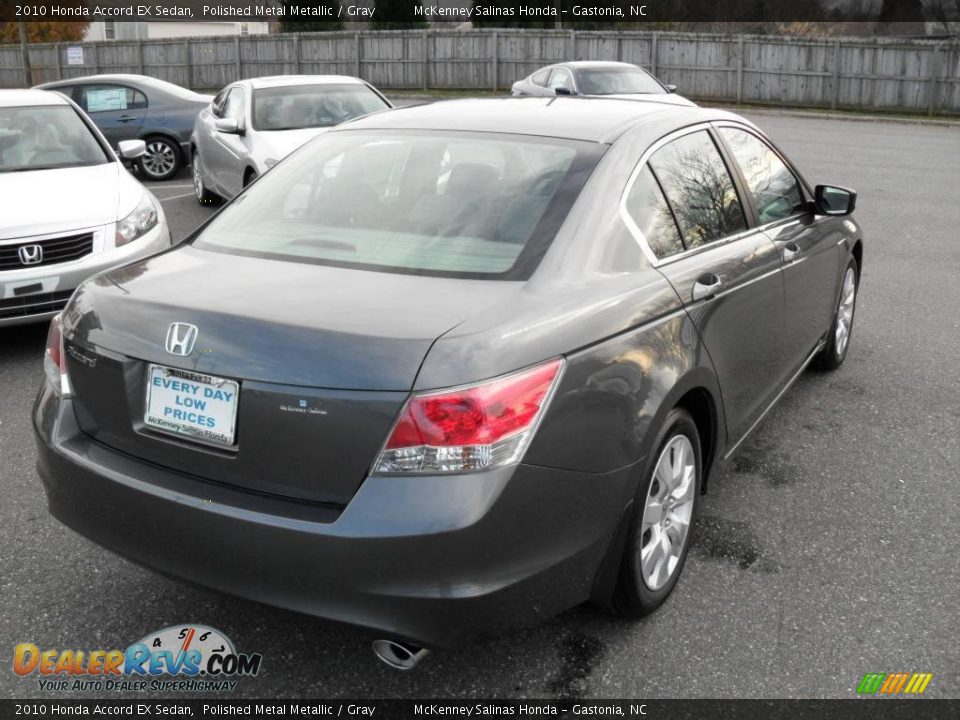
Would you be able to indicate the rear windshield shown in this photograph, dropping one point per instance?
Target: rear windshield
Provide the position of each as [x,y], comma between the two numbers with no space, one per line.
[465,204]
[306,106]
[617,81]
[45,137]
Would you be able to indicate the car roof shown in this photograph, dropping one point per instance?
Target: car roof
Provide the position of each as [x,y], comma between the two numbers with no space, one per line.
[285,80]
[593,119]
[24,98]
[598,64]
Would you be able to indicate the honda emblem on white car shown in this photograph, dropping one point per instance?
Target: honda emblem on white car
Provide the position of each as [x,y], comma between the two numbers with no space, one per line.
[181,338]
[30,254]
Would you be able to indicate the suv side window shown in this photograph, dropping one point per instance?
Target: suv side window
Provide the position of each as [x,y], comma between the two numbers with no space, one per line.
[648,208]
[699,189]
[776,192]
[111,98]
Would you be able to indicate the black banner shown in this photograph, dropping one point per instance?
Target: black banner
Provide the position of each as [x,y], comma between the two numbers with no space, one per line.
[386,14]
[892,709]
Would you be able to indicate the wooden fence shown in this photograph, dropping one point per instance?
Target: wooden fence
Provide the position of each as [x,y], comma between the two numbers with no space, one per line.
[897,75]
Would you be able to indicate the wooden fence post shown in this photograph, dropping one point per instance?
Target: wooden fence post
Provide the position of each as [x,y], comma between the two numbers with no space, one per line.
[140,56]
[425,64]
[56,47]
[496,60]
[188,55]
[236,54]
[572,48]
[96,58]
[653,54]
[739,69]
[932,82]
[835,100]
[296,54]
[356,54]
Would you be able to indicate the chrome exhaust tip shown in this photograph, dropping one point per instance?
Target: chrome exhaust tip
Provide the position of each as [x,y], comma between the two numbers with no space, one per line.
[398,655]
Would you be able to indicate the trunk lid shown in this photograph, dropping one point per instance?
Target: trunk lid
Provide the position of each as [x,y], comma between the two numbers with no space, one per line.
[324,358]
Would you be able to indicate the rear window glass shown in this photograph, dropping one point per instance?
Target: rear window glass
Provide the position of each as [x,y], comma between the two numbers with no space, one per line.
[304,106]
[700,190]
[652,216]
[465,204]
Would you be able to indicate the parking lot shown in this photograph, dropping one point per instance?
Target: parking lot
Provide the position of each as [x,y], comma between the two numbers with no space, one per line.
[828,550]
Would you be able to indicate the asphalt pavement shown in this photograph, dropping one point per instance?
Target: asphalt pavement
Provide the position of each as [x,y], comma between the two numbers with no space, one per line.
[830,548]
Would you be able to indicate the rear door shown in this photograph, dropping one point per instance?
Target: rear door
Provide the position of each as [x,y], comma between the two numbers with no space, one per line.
[685,208]
[808,248]
[117,110]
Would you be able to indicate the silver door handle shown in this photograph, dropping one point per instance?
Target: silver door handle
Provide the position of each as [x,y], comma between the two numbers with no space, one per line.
[706,286]
[790,252]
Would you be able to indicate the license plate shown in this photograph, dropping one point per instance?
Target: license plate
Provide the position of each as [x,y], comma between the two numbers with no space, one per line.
[198,406]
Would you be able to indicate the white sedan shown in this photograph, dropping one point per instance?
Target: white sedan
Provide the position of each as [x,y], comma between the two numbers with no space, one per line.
[253,124]
[70,209]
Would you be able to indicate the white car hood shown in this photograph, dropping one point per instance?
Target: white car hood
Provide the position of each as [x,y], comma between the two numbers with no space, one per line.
[38,202]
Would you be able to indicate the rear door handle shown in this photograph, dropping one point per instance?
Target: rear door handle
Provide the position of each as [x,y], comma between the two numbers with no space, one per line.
[790,252]
[706,286]
[126,118]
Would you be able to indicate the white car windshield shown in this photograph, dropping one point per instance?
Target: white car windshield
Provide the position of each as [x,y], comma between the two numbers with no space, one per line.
[617,81]
[44,137]
[470,204]
[294,107]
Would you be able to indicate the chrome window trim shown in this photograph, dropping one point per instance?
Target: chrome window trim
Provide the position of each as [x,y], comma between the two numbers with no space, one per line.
[635,229]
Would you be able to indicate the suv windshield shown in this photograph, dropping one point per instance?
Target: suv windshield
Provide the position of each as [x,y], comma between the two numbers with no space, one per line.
[617,81]
[307,106]
[44,137]
[464,204]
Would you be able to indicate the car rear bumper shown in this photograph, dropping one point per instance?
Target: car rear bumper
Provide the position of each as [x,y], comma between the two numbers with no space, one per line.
[58,281]
[433,560]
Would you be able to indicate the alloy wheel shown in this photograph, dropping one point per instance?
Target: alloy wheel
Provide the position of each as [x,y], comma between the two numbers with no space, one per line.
[159,160]
[197,178]
[667,512]
[848,298]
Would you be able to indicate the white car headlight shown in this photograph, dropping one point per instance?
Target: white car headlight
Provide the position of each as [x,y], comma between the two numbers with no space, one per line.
[144,217]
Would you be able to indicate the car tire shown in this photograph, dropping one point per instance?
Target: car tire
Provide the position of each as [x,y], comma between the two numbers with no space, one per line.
[204,196]
[162,160]
[660,532]
[838,337]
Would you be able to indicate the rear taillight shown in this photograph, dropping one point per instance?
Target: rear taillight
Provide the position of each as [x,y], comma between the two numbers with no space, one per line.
[54,360]
[479,427]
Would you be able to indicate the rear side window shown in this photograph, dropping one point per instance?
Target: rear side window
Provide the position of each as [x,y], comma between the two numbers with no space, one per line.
[650,212]
[111,98]
[540,78]
[699,189]
[774,188]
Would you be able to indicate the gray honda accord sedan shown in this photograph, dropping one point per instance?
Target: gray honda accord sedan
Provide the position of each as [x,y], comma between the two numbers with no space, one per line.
[453,368]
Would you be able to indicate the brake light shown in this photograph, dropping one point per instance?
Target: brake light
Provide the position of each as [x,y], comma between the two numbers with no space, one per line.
[54,360]
[479,427]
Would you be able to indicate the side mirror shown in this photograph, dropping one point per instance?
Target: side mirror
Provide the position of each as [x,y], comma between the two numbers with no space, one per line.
[227,125]
[563,90]
[671,88]
[833,200]
[132,149]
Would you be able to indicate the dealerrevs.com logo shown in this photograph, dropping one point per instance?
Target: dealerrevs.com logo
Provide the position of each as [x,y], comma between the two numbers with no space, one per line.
[186,658]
